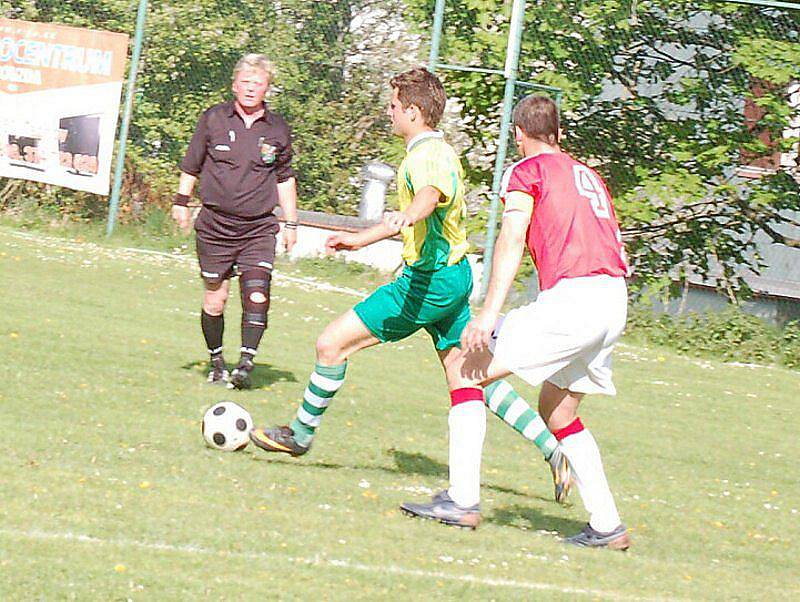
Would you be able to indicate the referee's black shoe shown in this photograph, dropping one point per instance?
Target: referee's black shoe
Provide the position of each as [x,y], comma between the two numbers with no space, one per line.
[218,374]
[240,375]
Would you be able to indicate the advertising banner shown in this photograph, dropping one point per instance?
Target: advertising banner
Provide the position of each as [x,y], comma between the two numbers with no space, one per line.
[60,91]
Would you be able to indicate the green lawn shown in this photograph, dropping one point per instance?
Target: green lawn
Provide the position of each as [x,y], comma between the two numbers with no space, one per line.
[107,491]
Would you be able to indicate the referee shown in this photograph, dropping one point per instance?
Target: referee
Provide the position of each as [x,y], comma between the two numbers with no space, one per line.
[242,153]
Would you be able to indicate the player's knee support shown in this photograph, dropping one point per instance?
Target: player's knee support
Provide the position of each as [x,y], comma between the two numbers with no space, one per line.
[254,285]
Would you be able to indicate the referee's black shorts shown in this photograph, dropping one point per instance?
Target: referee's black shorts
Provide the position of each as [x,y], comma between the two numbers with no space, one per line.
[227,246]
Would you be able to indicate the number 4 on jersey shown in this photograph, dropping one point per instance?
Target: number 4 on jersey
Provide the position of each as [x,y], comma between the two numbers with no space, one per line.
[590,187]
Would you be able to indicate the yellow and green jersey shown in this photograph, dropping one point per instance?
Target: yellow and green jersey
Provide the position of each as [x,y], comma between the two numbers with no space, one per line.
[439,240]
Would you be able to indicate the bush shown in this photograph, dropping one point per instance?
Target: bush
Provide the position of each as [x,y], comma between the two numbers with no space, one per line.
[731,334]
[790,345]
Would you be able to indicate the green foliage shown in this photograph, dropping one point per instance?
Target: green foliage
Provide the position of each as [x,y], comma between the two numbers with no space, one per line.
[790,344]
[768,59]
[732,335]
[653,96]
[38,203]
[333,102]
[332,105]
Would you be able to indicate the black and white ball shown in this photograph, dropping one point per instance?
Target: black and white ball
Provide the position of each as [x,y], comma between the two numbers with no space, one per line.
[226,426]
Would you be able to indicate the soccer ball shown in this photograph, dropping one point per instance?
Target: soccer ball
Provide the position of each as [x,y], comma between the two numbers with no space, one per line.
[226,426]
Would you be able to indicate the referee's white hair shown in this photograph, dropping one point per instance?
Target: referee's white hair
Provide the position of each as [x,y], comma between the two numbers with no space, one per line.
[255,62]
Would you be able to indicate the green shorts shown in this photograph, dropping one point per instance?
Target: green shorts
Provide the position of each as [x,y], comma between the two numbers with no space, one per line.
[437,301]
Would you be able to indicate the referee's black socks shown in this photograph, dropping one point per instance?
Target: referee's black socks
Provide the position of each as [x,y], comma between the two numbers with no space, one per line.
[213,327]
[251,337]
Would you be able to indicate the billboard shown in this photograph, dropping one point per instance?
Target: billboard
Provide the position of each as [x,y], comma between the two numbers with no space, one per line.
[60,91]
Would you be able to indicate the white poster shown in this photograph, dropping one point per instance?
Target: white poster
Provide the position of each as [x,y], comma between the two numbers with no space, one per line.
[60,90]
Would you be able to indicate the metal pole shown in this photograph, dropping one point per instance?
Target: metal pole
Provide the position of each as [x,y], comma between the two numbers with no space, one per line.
[512,63]
[436,37]
[113,205]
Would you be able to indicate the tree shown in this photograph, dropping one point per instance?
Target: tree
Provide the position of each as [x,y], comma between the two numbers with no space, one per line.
[653,95]
[333,102]
[323,96]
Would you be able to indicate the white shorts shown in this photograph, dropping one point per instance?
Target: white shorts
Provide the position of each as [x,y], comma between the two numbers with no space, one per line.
[566,336]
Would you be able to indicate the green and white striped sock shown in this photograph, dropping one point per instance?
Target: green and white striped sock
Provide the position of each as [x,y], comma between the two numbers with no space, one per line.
[324,382]
[504,401]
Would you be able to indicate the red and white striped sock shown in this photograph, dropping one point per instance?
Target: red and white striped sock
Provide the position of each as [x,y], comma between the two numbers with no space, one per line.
[583,454]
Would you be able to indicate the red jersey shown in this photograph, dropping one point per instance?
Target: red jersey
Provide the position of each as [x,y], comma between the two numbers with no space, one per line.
[573,230]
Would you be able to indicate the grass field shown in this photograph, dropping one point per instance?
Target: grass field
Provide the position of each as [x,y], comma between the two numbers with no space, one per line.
[107,491]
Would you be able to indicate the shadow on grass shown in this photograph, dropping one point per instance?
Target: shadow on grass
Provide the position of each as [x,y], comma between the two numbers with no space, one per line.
[408,463]
[420,464]
[516,516]
[416,463]
[262,376]
[532,519]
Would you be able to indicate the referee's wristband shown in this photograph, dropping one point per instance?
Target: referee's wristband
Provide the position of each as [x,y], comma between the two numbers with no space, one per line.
[181,199]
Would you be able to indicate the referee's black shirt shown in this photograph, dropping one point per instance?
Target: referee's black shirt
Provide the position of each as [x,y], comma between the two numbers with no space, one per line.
[239,167]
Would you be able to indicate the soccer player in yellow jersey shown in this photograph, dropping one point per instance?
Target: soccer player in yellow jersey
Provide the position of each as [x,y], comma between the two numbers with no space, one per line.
[440,240]
[431,293]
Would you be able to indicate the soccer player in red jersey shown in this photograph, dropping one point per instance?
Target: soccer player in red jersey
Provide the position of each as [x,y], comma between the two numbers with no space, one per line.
[561,209]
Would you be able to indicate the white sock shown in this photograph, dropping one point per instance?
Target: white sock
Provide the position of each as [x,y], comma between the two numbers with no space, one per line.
[587,468]
[467,429]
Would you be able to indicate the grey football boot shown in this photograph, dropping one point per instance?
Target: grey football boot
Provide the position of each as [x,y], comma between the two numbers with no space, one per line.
[590,538]
[445,510]
[562,474]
